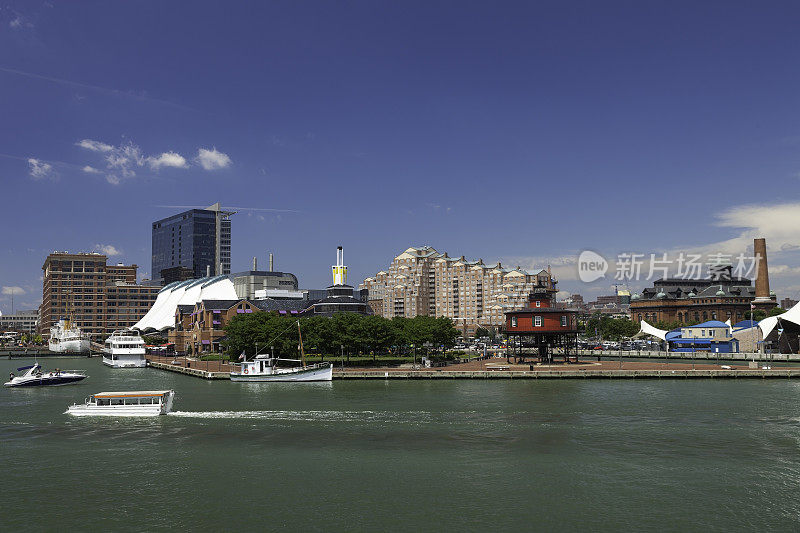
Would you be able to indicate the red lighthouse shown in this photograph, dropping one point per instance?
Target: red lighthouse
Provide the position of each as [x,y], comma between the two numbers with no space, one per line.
[540,329]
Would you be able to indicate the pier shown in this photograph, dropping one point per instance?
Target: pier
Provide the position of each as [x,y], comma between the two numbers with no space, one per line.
[499,369]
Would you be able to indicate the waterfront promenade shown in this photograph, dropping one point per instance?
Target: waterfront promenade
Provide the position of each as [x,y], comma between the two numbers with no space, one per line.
[497,368]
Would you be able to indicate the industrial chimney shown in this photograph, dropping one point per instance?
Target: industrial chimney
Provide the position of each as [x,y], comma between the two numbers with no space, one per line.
[271,264]
[208,271]
[762,272]
[255,263]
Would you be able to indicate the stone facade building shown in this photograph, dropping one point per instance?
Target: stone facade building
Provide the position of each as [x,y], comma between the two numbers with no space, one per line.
[422,281]
[100,297]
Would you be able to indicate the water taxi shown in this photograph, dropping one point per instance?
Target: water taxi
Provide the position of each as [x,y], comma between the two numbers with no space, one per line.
[124,349]
[128,403]
[34,376]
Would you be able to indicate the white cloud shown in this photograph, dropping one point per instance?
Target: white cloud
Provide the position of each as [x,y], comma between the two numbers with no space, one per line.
[40,170]
[16,23]
[16,291]
[91,170]
[94,146]
[167,159]
[212,159]
[108,249]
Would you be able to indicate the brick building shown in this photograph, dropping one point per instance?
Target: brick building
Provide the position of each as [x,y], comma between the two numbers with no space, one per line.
[199,327]
[100,297]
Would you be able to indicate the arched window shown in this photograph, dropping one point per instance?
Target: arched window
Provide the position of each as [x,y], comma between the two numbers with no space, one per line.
[696,316]
[705,316]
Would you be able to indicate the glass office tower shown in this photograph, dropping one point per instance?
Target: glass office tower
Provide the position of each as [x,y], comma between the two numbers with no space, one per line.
[198,239]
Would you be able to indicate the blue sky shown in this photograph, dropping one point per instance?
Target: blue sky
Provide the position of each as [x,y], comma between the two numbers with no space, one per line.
[523,132]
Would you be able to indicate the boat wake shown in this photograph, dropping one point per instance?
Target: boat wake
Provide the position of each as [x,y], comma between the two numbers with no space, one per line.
[311,416]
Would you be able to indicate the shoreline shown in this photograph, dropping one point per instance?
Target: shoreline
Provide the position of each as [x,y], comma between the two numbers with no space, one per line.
[496,369]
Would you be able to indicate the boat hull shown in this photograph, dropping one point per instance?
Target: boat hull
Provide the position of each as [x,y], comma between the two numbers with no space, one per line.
[83,410]
[124,363]
[324,373]
[70,346]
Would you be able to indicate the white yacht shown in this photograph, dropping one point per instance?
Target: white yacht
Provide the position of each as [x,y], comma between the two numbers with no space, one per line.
[68,338]
[124,349]
[266,368]
[128,403]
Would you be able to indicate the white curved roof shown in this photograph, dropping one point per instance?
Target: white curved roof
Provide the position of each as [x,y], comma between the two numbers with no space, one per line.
[654,331]
[162,315]
[769,323]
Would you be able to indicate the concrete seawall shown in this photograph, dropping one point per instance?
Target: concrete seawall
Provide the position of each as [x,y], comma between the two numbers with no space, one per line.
[572,374]
[688,356]
[781,373]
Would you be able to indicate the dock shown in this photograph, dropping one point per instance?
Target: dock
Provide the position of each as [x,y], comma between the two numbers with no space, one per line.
[496,370]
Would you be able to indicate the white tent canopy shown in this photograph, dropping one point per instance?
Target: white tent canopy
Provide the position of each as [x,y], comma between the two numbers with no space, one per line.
[769,323]
[647,329]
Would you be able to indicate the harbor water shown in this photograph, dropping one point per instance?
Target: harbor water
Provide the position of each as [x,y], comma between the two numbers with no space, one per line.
[439,455]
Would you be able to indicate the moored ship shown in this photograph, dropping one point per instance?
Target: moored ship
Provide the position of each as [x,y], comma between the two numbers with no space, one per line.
[265,368]
[68,338]
[124,349]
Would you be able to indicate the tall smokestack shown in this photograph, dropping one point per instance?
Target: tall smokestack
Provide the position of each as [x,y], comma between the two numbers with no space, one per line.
[762,275]
[255,263]
[271,263]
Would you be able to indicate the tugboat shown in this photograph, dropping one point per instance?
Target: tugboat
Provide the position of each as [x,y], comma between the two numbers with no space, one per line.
[265,368]
[35,377]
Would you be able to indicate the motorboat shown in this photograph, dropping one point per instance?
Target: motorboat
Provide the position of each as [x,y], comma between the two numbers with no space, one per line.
[34,376]
[65,337]
[127,403]
[124,349]
[267,368]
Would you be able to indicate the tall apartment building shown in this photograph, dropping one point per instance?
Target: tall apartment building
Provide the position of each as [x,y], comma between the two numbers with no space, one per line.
[197,239]
[422,281]
[100,297]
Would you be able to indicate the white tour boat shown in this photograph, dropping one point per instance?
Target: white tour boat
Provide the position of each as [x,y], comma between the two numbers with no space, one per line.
[265,368]
[124,349]
[129,403]
[34,376]
[68,338]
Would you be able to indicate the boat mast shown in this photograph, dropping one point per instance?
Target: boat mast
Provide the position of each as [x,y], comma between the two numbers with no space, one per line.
[302,353]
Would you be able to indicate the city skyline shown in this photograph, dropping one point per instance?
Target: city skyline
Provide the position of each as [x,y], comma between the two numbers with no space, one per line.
[523,137]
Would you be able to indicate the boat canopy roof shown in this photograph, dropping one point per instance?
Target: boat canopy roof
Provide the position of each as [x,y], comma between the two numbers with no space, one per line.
[27,367]
[129,394]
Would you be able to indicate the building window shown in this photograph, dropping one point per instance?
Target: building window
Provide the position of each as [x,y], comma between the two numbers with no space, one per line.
[538,303]
[513,321]
[537,322]
[563,321]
